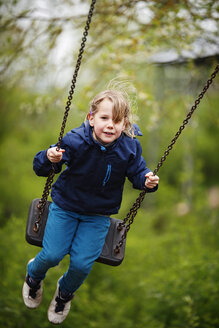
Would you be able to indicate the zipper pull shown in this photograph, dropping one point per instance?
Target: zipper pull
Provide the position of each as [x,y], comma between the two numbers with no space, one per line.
[103,148]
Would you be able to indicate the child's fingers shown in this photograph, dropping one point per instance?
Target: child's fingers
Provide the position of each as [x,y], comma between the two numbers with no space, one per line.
[150,185]
[58,153]
[151,177]
[149,174]
[55,155]
[154,178]
[151,180]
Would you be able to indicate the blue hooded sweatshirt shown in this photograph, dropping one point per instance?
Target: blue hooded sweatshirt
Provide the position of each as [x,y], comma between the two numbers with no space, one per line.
[93,180]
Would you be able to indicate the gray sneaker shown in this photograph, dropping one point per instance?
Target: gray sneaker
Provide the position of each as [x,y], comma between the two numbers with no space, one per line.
[59,307]
[32,292]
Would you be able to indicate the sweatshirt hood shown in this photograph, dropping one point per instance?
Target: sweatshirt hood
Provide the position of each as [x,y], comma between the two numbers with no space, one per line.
[85,131]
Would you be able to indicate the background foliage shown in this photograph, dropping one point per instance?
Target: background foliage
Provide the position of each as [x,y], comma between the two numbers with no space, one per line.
[170,275]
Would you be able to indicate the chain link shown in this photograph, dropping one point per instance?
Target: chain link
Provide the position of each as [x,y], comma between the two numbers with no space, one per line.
[133,211]
[46,191]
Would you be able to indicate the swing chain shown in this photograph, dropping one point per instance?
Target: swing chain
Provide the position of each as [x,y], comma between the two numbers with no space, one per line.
[133,211]
[186,120]
[130,218]
[46,191]
[42,202]
[77,67]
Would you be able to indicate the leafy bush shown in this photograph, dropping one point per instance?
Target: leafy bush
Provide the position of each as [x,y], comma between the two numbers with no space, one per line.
[169,278]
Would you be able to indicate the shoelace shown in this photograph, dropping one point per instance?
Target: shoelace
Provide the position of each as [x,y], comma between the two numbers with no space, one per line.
[60,304]
[33,291]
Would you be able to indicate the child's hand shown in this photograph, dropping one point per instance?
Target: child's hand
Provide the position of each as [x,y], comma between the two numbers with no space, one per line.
[151,180]
[55,156]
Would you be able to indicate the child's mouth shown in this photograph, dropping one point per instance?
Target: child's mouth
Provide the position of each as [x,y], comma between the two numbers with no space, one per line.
[109,133]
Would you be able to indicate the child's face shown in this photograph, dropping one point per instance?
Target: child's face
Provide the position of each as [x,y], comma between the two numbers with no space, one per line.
[105,130]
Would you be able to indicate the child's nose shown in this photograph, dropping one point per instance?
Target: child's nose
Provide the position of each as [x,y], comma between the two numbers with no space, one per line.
[110,124]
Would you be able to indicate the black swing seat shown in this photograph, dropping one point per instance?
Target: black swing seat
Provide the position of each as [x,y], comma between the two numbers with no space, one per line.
[108,255]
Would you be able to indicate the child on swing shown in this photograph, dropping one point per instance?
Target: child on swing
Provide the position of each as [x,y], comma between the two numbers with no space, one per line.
[99,155]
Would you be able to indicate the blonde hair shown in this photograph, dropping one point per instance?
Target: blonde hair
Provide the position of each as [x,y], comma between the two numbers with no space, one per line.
[121,107]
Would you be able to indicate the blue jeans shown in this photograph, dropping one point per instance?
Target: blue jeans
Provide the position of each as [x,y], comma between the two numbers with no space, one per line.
[80,236]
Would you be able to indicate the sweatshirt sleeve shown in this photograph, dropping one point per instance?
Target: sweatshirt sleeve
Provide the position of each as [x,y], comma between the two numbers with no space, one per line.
[137,169]
[42,165]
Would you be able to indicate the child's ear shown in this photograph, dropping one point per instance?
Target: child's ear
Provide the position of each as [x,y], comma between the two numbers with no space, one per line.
[90,119]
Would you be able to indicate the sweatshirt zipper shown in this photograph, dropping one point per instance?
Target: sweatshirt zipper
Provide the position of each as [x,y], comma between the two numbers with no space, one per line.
[107,176]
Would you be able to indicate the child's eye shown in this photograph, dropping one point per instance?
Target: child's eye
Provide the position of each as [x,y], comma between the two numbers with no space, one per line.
[104,118]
